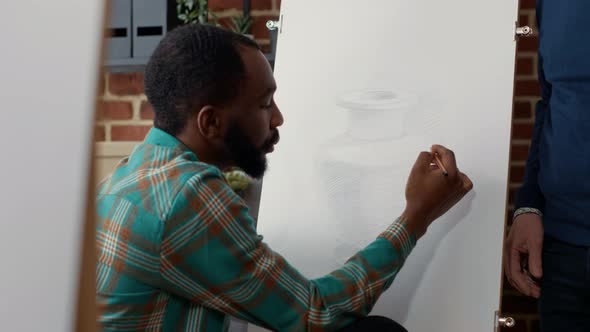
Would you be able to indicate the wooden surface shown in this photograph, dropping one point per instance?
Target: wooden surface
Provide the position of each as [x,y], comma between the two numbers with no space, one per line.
[86,306]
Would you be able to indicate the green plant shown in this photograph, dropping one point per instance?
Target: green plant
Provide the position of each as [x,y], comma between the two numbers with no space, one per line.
[194,11]
[241,24]
[238,180]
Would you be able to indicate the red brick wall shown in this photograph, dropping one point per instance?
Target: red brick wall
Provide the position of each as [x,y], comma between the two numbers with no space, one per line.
[126,116]
[526,94]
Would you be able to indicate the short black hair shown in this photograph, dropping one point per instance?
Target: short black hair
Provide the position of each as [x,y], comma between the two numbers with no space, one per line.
[193,65]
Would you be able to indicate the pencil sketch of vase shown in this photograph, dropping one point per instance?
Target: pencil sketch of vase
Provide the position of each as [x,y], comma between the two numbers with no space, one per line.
[375,115]
[364,169]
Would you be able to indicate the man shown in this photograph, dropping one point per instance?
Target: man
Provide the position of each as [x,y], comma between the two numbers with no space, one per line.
[550,237]
[177,248]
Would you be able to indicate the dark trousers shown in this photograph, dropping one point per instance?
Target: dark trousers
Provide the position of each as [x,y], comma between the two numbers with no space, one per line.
[374,323]
[565,288]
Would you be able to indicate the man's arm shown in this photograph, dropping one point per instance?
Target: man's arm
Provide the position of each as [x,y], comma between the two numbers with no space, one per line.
[524,244]
[212,255]
[529,197]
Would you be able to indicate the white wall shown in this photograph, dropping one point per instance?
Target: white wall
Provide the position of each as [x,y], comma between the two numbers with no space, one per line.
[48,67]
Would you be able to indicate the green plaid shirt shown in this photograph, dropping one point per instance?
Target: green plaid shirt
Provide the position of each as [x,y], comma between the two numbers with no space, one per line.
[178,251]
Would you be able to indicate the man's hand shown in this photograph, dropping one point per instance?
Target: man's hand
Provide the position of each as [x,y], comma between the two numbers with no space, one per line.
[522,254]
[430,194]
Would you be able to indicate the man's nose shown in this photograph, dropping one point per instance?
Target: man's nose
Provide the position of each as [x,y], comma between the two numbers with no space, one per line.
[277,118]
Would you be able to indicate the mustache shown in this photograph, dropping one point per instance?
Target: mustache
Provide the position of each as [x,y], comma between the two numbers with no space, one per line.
[274,139]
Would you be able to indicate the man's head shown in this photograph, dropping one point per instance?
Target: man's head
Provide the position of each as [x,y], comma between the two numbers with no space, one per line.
[213,89]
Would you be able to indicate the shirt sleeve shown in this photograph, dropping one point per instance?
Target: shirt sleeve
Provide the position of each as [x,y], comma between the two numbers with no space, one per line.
[212,255]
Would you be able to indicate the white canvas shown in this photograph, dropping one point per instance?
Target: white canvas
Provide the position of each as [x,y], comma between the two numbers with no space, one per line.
[364,87]
[48,74]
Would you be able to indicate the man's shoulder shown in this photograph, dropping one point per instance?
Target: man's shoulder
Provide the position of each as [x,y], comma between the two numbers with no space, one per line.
[154,184]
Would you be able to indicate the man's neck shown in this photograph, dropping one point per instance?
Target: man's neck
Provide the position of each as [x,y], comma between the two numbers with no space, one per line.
[203,152]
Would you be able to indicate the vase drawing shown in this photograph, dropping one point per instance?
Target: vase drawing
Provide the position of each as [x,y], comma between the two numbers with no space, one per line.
[363,171]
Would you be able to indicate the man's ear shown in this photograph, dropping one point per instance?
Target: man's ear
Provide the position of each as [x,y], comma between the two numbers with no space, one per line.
[209,122]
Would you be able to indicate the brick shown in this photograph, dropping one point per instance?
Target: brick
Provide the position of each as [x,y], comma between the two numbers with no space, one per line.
[523,20]
[102,84]
[524,66]
[126,84]
[129,133]
[519,152]
[527,88]
[522,130]
[277,4]
[261,4]
[100,134]
[114,110]
[528,44]
[520,304]
[522,110]
[259,29]
[218,5]
[516,173]
[511,196]
[527,4]
[146,112]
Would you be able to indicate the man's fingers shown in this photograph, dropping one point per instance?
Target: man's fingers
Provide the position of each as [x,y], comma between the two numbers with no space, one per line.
[534,287]
[535,258]
[447,158]
[424,160]
[467,184]
[517,277]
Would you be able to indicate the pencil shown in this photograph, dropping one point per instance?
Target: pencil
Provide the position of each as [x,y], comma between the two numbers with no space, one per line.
[440,164]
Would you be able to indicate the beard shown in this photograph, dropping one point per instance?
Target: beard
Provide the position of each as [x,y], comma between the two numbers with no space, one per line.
[245,154]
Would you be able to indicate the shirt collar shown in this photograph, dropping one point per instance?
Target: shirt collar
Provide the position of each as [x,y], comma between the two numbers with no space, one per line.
[161,138]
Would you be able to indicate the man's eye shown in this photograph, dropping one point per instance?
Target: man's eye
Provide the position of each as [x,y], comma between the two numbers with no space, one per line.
[269,104]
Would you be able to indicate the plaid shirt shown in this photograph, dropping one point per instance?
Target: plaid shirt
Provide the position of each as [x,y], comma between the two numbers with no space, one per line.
[178,251]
